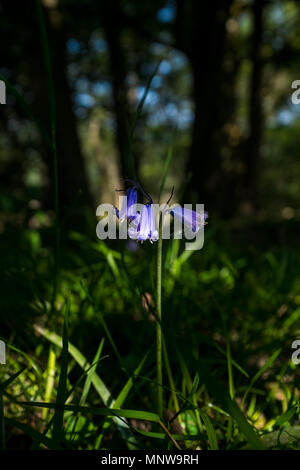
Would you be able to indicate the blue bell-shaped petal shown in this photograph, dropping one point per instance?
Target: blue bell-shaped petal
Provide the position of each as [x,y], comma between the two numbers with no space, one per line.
[128,209]
[191,219]
[144,226]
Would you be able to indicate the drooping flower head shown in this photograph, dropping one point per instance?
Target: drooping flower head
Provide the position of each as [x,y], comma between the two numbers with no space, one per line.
[144,226]
[143,222]
[128,209]
[191,219]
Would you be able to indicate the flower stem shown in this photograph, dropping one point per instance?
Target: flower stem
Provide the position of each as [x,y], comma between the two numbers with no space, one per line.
[158,324]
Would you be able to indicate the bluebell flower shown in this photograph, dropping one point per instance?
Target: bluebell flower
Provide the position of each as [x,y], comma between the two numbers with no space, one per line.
[142,221]
[191,219]
[128,209]
[144,226]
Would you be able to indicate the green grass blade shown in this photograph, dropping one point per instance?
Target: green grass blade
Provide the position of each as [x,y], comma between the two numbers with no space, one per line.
[47,61]
[121,413]
[62,383]
[2,423]
[98,384]
[216,389]
[177,437]
[90,373]
[129,384]
[33,433]
[260,372]
[122,396]
[285,418]
[100,387]
[50,378]
[166,168]
[7,382]
[212,437]
[143,99]
[52,105]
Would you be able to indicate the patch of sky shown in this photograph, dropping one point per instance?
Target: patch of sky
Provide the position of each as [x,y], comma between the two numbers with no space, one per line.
[186,117]
[167,13]
[73,46]
[277,15]
[158,49]
[157,82]
[82,85]
[85,100]
[102,88]
[73,70]
[80,112]
[152,97]
[98,44]
[178,60]
[181,115]
[165,67]
[286,116]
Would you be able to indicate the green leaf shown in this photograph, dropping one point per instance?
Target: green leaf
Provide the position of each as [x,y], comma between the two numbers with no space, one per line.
[284,418]
[292,319]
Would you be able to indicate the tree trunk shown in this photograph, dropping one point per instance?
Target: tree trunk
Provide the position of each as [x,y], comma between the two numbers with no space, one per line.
[71,169]
[204,45]
[253,152]
[73,183]
[111,20]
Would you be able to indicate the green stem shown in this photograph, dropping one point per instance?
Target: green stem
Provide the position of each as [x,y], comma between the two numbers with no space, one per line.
[158,324]
[50,380]
[52,108]
[2,423]
[170,377]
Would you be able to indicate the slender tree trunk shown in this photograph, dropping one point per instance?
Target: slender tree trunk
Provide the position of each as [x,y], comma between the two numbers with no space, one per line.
[107,161]
[113,30]
[71,167]
[73,184]
[253,152]
[204,45]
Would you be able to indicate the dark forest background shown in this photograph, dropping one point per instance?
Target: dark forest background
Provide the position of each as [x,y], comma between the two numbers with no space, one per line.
[106,88]
[223,80]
